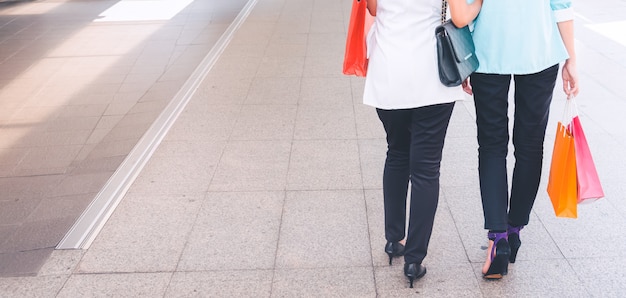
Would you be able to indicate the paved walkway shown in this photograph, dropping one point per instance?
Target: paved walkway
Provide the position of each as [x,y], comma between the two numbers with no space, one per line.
[269,184]
[79,86]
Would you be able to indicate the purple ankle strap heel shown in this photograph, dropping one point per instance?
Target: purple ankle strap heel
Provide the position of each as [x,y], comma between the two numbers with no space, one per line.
[514,241]
[499,254]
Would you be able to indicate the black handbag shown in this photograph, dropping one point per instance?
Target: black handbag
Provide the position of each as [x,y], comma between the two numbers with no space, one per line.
[455,51]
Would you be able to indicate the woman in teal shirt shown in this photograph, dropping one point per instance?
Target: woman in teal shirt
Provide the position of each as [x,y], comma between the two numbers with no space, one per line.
[526,41]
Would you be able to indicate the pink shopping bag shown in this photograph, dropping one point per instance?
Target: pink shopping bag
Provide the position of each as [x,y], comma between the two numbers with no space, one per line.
[589,187]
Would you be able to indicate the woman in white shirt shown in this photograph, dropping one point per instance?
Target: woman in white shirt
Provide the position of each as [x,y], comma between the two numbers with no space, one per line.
[403,85]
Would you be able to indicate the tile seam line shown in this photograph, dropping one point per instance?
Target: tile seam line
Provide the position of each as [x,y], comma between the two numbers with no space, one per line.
[95,216]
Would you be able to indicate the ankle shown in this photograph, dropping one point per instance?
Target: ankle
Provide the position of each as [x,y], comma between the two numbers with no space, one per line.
[496,235]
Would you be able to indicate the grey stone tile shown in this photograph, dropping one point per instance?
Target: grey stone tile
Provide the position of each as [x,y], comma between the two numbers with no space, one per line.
[250,33]
[281,67]
[368,126]
[326,91]
[6,230]
[325,122]
[247,36]
[71,123]
[161,225]
[285,50]
[178,174]
[376,225]
[539,278]
[237,283]
[459,162]
[245,50]
[439,281]
[281,91]
[113,148]
[372,154]
[61,262]
[53,208]
[236,66]
[327,45]
[80,184]
[602,277]
[16,210]
[323,66]
[319,165]
[23,263]
[75,137]
[235,231]
[38,234]
[217,90]
[265,122]
[357,86]
[324,229]
[40,286]
[252,165]
[322,25]
[47,160]
[215,123]
[324,282]
[573,236]
[106,164]
[446,247]
[9,159]
[116,285]
[289,38]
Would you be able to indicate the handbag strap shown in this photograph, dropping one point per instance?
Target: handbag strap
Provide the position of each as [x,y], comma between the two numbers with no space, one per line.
[444,9]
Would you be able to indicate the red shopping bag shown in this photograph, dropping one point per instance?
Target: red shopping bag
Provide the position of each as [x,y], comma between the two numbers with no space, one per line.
[562,186]
[589,187]
[355,58]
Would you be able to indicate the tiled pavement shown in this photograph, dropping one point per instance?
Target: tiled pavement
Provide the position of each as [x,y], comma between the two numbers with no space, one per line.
[76,95]
[268,184]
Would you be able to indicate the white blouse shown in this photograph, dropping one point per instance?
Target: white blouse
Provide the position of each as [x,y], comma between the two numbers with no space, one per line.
[402,71]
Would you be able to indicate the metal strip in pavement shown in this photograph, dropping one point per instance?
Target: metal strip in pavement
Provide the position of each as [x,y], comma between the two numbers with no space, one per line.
[93,219]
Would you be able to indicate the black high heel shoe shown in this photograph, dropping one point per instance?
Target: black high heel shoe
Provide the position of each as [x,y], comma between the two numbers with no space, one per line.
[414,271]
[499,254]
[514,241]
[394,249]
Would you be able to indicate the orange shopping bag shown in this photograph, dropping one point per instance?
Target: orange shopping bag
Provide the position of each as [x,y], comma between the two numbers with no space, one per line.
[355,58]
[562,184]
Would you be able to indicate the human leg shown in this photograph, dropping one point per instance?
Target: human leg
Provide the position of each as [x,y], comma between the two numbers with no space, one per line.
[428,130]
[533,95]
[395,177]
[491,103]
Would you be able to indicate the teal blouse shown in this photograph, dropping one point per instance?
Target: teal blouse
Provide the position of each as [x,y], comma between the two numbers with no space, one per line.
[520,36]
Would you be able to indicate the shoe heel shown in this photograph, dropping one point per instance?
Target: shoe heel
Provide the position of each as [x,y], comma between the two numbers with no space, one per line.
[394,249]
[414,271]
[500,262]
[515,243]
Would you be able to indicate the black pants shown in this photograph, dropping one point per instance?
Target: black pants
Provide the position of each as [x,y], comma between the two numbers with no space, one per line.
[533,94]
[415,140]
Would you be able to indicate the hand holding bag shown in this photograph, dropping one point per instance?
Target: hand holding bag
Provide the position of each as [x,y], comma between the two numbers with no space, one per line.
[562,186]
[456,56]
[355,58]
[589,186]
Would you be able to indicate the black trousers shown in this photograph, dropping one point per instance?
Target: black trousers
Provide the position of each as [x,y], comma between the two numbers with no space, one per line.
[533,95]
[415,140]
